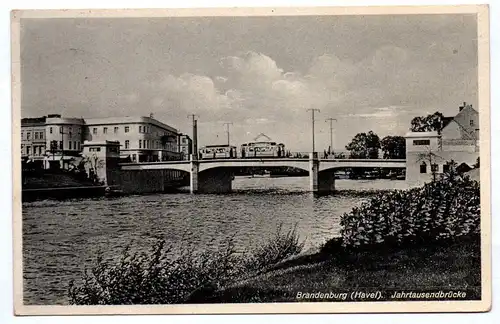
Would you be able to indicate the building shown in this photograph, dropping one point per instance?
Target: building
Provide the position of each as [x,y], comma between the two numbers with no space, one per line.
[429,153]
[142,139]
[185,146]
[64,138]
[58,141]
[33,139]
[103,156]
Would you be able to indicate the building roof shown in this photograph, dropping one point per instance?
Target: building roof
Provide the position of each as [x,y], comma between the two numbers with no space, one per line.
[128,120]
[37,121]
[446,121]
[421,134]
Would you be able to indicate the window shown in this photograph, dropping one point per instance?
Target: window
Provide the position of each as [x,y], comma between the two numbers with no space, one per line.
[127,144]
[140,143]
[28,150]
[94,149]
[41,135]
[115,130]
[184,140]
[421,142]
[105,130]
[127,129]
[423,167]
[28,136]
[78,145]
[79,130]
[94,130]
[22,134]
[35,135]
[434,167]
[70,130]
[50,130]
[471,122]
[70,145]
[60,145]
[140,129]
[60,129]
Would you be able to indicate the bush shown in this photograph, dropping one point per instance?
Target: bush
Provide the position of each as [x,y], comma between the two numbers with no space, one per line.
[279,248]
[165,276]
[442,210]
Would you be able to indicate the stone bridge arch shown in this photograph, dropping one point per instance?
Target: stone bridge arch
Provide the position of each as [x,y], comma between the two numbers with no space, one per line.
[253,163]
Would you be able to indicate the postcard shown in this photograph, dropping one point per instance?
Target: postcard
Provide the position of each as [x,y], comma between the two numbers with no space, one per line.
[251,160]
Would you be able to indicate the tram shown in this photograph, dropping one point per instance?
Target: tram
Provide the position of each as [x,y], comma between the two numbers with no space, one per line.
[262,149]
[218,152]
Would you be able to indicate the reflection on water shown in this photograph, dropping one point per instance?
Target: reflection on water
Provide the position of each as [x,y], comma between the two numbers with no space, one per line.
[60,238]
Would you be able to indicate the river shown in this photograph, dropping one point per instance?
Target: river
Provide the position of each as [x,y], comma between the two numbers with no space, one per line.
[61,238]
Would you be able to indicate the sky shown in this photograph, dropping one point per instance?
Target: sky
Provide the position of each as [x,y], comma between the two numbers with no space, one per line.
[262,74]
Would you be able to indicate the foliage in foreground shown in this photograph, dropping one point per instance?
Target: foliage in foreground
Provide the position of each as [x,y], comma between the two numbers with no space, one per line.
[167,277]
[443,210]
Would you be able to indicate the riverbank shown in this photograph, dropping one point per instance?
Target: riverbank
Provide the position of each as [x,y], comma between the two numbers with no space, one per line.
[431,268]
[58,193]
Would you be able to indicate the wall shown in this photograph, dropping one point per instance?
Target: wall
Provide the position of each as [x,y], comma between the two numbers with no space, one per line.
[144,181]
[462,124]
[414,159]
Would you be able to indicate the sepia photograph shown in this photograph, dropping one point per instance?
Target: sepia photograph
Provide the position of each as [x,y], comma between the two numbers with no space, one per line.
[251,160]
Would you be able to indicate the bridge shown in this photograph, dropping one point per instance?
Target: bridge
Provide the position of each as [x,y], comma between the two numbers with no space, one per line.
[215,176]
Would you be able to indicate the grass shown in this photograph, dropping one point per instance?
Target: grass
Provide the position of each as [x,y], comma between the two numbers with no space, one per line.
[54,180]
[433,267]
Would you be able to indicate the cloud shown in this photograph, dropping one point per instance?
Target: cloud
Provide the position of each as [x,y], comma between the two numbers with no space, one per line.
[252,89]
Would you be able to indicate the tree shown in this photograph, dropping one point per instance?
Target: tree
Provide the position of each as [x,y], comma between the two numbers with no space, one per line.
[430,158]
[394,147]
[476,165]
[429,123]
[364,146]
[94,163]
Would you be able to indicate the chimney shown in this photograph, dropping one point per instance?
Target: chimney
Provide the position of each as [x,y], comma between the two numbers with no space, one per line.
[462,107]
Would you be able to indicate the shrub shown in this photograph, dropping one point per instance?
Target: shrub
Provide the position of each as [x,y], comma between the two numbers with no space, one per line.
[165,276]
[279,247]
[441,210]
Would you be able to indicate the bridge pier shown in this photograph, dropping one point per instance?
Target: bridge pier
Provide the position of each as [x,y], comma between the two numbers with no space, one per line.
[193,176]
[313,172]
[320,182]
[209,181]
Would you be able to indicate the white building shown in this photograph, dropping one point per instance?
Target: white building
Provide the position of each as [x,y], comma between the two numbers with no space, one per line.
[57,140]
[428,153]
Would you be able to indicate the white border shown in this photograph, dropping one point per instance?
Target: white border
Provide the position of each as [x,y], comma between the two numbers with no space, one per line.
[58,4]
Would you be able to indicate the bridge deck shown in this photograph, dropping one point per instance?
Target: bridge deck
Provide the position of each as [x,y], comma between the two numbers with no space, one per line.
[302,163]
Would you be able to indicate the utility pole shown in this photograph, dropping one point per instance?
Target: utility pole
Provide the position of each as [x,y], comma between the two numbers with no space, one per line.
[331,133]
[195,137]
[227,131]
[312,110]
